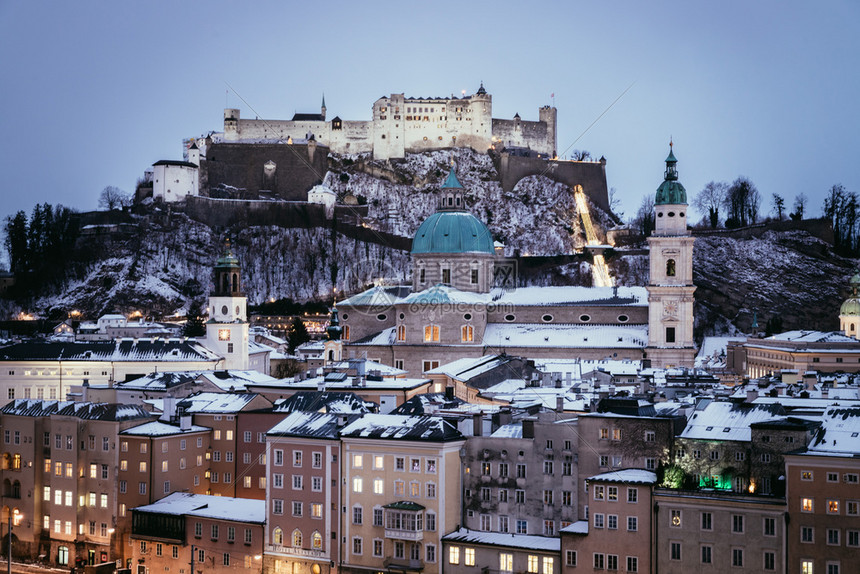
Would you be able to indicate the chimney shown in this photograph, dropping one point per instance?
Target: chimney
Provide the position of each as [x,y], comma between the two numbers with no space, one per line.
[185,422]
[477,424]
[752,395]
[559,403]
[557,378]
[168,408]
[449,393]
[528,428]
[321,385]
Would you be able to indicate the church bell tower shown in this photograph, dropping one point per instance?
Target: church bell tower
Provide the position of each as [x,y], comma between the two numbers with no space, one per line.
[227,328]
[670,286]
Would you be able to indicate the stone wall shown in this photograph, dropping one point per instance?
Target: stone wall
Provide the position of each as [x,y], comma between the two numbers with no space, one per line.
[591,175]
[294,169]
[229,212]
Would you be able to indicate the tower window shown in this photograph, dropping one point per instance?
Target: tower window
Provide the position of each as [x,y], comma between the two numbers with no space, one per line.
[670,334]
[401,333]
[474,277]
[422,276]
[446,276]
[431,333]
[670,268]
[468,334]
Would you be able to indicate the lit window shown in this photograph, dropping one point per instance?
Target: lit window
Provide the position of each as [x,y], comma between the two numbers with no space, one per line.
[806,505]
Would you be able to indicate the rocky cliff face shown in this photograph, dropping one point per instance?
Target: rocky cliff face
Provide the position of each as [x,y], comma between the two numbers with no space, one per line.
[168,261]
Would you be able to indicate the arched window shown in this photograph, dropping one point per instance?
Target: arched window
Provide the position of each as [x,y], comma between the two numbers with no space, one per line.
[16,462]
[278,535]
[16,489]
[670,268]
[235,282]
[468,333]
[431,333]
[317,540]
[346,332]
[331,355]
[225,282]
[401,333]
[297,538]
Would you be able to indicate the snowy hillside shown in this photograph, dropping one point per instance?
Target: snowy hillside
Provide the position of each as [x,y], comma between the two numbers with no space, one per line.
[168,262]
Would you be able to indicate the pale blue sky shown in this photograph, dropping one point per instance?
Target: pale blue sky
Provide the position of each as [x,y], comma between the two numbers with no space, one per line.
[95,92]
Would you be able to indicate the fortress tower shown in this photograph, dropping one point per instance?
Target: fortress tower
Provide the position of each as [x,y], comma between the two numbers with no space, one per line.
[670,286]
[227,328]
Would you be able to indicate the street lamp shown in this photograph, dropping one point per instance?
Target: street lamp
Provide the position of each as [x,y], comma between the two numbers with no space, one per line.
[17,516]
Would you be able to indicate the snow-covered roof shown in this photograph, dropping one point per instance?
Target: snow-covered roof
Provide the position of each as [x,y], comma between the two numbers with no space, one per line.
[721,420]
[236,380]
[384,338]
[812,337]
[311,425]
[444,294]
[428,403]
[208,506]
[159,381]
[565,336]
[81,410]
[377,296]
[368,366]
[330,402]
[712,349]
[255,348]
[839,433]
[627,476]
[572,295]
[351,383]
[121,350]
[467,368]
[578,527]
[401,427]
[514,430]
[158,428]
[538,543]
[204,403]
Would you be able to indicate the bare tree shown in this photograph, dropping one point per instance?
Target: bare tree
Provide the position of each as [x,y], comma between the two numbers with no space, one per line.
[580,155]
[644,219]
[800,201]
[710,199]
[743,202]
[113,197]
[778,205]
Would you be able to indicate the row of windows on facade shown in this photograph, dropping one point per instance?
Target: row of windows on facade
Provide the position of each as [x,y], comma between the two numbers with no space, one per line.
[534,564]
[832,506]
[736,558]
[66,498]
[503,522]
[66,527]
[602,561]
[832,476]
[378,547]
[378,462]
[486,469]
[399,487]
[738,522]
[200,557]
[834,536]
[40,393]
[55,372]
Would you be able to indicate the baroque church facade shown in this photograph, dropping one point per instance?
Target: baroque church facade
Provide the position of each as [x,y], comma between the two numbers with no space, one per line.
[456,307]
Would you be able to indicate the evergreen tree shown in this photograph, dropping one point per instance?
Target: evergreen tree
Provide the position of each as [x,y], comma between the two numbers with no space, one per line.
[298,334]
[16,231]
[194,326]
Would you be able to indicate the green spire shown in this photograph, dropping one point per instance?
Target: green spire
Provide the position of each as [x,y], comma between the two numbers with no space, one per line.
[333,330]
[671,192]
[452,182]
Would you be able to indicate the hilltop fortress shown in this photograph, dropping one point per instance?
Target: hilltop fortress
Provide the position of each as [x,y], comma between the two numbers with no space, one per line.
[401,124]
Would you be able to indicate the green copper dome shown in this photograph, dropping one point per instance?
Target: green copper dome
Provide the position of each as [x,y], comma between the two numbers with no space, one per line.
[851,306]
[671,192]
[452,232]
[227,260]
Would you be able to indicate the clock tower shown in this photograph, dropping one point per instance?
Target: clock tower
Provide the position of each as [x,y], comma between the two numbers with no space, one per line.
[227,328]
[670,286]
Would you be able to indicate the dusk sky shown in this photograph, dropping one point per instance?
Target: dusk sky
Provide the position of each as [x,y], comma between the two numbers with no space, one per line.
[93,93]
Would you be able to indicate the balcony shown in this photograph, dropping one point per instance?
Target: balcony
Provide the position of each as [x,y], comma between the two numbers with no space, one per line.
[404,520]
[404,564]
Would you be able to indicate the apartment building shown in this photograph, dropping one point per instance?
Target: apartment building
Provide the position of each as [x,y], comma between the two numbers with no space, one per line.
[522,479]
[467,551]
[616,533]
[60,467]
[303,518]
[401,478]
[716,531]
[155,460]
[823,494]
[187,532]
[219,411]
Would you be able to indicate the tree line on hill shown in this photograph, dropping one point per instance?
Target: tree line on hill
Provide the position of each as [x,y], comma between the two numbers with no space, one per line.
[738,204]
[40,246]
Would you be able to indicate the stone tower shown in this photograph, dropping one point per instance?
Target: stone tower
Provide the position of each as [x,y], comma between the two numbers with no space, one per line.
[670,286]
[333,346]
[849,313]
[227,328]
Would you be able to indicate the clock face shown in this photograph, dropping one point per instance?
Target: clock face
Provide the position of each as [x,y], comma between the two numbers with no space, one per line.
[223,334]
[676,520]
[670,308]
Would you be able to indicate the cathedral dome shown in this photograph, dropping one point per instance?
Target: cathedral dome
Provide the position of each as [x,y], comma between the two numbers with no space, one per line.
[671,192]
[452,232]
[851,306]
